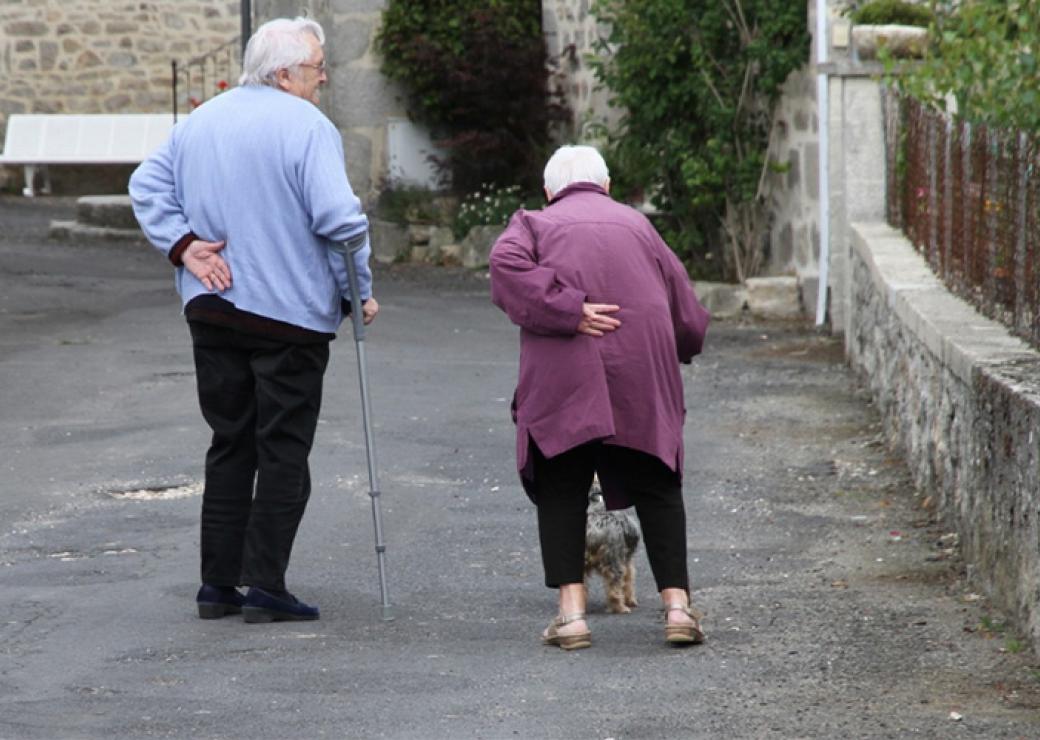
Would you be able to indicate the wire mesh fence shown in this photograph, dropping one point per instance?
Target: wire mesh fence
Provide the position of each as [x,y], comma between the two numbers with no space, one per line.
[966,197]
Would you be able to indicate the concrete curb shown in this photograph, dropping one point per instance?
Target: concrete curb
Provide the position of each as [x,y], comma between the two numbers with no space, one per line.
[76,231]
[108,211]
[100,218]
[960,337]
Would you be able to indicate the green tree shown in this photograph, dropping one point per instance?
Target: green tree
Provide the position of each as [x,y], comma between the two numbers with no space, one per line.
[698,81]
[982,55]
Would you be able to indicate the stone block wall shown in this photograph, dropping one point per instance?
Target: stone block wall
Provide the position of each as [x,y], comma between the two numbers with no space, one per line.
[960,400]
[571,32]
[101,56]
[793,193]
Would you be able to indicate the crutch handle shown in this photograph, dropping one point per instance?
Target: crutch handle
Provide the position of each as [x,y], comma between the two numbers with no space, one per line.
[349,250]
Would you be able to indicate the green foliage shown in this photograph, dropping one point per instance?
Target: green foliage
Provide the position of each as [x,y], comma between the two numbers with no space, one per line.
[991,626]
[1014,645]
[490,205]
[408,205]
[983,55]
[476,72]
[880,12]
[698,80]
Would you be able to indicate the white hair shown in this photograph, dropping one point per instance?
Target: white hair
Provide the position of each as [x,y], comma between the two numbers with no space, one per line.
[278,44]
[570,164]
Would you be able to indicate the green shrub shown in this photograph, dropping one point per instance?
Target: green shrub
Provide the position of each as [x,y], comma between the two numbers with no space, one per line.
[477,74]
[881,12]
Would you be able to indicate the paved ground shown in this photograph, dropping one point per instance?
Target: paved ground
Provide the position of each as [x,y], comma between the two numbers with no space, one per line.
[836,607]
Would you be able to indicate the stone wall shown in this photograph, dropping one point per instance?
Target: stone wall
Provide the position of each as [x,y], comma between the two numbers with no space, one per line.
[101,56]
[854,128]
[960,400]
[571,33]
[793,192]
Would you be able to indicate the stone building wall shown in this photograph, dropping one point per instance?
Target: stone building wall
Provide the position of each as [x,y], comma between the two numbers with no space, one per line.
[101,56]
[571,33]
[793,193]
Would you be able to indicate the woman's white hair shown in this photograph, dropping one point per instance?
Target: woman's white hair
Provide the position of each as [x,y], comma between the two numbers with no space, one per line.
[278,44]
[571,164]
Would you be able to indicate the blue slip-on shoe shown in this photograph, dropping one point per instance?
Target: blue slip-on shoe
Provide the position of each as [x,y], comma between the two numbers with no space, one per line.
[267,606]
[215,602]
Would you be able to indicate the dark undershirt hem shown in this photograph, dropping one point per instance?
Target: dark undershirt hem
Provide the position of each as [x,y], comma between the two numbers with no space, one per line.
[214,310]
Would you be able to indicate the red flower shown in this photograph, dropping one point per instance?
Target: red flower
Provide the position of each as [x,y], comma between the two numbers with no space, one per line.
[222,85]
[193,101]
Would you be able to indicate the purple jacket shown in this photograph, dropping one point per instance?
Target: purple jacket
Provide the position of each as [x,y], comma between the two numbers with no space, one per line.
[623,388]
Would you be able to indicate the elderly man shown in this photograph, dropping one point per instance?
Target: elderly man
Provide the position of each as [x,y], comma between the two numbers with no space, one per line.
[606,314]
[249,199]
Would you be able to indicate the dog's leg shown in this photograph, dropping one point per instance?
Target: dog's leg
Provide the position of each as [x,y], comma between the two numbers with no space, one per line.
[630,584]
[614,581]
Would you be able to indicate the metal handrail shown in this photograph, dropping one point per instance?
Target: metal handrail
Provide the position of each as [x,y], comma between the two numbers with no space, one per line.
[208,74]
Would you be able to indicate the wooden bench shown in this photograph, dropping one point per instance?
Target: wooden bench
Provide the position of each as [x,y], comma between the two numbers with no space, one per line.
[35,140]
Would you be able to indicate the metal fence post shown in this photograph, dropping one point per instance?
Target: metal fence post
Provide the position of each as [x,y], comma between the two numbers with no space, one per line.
[1023,306]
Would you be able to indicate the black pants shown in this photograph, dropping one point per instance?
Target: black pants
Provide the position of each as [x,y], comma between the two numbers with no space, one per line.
[261,398]
[563,494]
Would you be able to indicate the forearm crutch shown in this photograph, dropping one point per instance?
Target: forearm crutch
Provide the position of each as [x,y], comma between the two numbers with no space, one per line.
[366,417]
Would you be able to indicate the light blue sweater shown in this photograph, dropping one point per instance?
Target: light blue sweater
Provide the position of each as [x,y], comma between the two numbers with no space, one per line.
[263,170]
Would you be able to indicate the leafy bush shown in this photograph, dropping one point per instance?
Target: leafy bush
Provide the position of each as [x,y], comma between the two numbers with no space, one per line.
[490,205]
[983,55]
[477,73]
[698,80]
[880,12]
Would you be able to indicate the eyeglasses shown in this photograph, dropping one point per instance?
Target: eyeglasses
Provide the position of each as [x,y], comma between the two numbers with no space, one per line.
[320,66]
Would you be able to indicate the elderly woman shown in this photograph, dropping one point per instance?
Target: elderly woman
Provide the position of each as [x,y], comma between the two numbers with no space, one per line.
[606,313]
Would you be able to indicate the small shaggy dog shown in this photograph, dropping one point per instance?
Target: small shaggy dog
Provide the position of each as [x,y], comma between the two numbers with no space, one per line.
[611,538]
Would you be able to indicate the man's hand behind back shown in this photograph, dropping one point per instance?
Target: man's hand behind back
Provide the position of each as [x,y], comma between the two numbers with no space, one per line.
[203,260]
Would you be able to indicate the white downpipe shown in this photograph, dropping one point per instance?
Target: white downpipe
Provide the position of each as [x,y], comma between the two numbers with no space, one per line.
[823,114]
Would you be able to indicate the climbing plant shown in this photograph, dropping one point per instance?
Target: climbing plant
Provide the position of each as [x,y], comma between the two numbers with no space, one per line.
[698,81]
[477,73]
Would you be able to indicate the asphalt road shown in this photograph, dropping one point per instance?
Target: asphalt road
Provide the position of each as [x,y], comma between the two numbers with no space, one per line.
[835,606]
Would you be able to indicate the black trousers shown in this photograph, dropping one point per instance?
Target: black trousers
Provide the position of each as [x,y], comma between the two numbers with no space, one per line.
[261,398]
[563,494]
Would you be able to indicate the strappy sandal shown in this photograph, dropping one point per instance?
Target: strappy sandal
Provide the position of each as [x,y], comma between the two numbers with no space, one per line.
[684,633]
[552,635]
